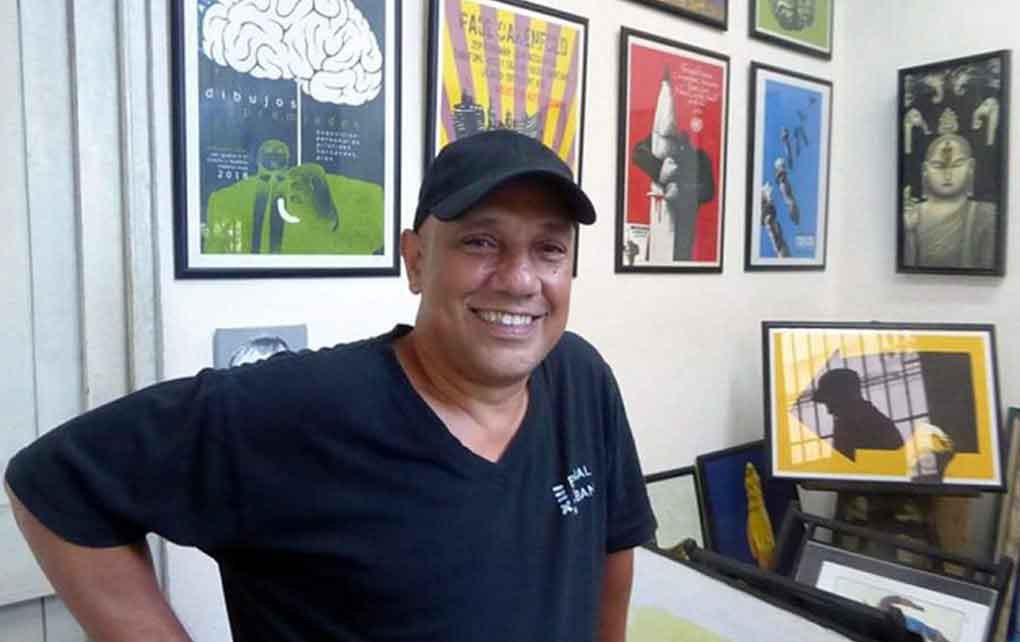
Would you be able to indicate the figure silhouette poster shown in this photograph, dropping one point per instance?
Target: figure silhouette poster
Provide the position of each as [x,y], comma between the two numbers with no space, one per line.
[788,170]
[905,405]
[671,163]
[504,64]
[286,137]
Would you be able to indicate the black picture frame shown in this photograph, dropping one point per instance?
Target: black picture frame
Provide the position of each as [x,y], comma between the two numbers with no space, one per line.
[786,35]
[338,176]
[722,490]
[971,119]
[676,504]
[803,104]
[700,248]
[921,401]
[935,584]
[680,8]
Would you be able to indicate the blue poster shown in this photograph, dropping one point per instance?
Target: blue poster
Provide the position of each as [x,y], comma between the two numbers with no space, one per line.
[791,168]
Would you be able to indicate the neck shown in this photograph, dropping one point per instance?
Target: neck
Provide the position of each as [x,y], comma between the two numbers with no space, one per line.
[939,210]
[483,417]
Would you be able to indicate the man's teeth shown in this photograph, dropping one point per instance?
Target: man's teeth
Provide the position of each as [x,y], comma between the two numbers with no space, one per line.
[504,318]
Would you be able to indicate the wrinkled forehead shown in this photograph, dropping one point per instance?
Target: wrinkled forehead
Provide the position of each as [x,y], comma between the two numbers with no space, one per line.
[948,149]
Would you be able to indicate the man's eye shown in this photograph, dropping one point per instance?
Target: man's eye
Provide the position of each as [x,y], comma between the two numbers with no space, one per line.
[479,242]
[554,250]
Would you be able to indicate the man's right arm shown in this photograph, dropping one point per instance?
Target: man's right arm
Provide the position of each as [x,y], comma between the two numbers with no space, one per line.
[112,591]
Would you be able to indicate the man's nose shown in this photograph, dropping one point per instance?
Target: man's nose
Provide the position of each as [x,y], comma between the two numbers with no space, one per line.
[517,274]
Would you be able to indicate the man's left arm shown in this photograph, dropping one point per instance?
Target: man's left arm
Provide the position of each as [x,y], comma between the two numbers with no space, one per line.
[616,596]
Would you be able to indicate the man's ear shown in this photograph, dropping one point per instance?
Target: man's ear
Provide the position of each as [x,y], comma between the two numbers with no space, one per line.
[411,249]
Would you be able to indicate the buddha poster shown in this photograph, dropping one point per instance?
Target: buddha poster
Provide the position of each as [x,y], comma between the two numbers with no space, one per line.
[672,156]
[499,64]
[788,173]
[287,140]
[953,134]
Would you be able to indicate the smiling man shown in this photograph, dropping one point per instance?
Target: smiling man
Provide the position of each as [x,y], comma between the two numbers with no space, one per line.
[471,478]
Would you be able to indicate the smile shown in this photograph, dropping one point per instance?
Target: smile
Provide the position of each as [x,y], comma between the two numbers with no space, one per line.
[505,318]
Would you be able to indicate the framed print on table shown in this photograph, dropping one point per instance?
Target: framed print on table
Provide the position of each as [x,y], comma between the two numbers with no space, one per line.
[714,13]
[953,150]
[911,407]
[677,509]
[803,25]
[506,64]
[788,170]
[671,162]
[286,151]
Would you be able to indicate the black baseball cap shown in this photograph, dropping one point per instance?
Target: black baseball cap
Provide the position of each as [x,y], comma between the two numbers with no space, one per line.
[470,168]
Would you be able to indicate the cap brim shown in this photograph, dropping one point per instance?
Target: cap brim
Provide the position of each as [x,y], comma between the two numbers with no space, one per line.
[456,204]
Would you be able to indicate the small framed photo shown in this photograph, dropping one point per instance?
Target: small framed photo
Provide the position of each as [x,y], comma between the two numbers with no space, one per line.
[677,509]
[788,170]
[506,64]
[671,159]
[714,13]
[908,407]
[953,153]
[234,347]
[803,25]
[937,606]
[742,507]
[286,139]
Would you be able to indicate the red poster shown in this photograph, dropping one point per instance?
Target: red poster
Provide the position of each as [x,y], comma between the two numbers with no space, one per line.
[673,163]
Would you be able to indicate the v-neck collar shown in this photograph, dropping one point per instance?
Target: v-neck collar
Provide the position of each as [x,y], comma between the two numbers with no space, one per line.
[429,426]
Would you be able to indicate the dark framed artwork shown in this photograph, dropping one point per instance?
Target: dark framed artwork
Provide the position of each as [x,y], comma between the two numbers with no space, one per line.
[742,507]
[671,162]
[287,138]
[909,407]
[677,508]
[938,606]
[802,25]
[953,151]
[788,170]
[714,13]
[506,64]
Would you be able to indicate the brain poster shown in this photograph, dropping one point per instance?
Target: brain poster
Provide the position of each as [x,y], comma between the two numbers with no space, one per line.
[286,135]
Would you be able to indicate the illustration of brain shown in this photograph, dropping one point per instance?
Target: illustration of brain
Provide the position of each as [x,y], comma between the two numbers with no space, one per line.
[326,46]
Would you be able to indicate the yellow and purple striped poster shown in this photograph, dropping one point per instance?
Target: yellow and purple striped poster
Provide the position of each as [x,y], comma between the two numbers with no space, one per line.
[498,64]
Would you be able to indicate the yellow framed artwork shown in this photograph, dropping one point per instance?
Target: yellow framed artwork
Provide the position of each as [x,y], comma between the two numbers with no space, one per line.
[866,404]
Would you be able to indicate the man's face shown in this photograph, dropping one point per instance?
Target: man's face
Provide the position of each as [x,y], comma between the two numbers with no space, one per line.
[948,169]
[495,283]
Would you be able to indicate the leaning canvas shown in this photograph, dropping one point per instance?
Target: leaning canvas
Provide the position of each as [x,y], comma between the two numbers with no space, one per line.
[673,602]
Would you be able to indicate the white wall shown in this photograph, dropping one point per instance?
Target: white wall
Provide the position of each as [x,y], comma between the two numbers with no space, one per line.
[686,348]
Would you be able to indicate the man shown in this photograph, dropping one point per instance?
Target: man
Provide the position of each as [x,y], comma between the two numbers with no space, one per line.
[857,422]
[471,478]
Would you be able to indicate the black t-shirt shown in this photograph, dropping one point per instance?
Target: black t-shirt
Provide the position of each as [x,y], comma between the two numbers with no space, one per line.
[339,507]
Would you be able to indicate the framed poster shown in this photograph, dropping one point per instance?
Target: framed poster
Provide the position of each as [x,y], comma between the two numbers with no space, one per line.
[803,25]
[909,406]
[788,170]
[953,152]
[1008,539]
[938,607]
[714,13]
[677,509]
[506,64]
[234,347]
[742,508]
[286,150]
[671,162]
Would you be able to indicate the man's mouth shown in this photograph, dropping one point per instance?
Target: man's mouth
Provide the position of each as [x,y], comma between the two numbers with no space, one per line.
[510,319]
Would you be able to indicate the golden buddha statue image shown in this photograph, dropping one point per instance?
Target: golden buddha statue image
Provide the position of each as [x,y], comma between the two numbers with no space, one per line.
[948,228]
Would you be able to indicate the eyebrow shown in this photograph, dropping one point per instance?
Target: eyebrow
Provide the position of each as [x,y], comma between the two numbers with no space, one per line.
[559,224]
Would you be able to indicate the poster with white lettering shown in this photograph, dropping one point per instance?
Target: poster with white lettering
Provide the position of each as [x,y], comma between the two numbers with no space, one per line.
[504,64]
[286,137]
